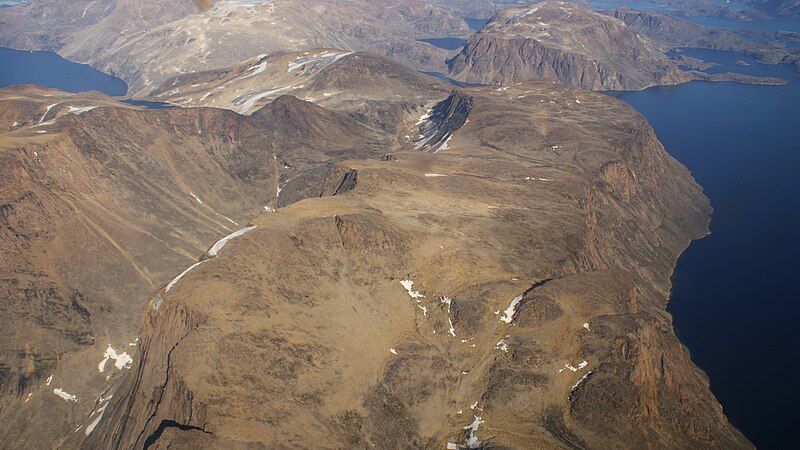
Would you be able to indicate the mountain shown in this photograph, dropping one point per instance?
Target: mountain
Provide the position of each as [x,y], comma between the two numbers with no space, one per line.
[146,41]
[562,42]
[486,294]
[401,264]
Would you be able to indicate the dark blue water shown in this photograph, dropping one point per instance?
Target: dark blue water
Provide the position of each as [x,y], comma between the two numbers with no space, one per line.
[449,80]
[476,24]
[447,43]
[149,105]
[734,299]
[49,69]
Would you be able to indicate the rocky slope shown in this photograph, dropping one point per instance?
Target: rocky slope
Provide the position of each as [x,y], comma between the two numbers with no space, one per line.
[145,41]
[101,206]
[562,42]
[35,106]
[507,291]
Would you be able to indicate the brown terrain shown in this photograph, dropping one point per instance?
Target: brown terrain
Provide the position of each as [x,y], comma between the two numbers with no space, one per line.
[539,225]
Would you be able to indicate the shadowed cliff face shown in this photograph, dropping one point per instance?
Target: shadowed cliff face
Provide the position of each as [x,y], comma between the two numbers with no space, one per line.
[563,42]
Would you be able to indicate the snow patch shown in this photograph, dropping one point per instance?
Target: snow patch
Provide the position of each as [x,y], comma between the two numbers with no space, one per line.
[472,440]
[502,345]
[408,284]
[508,314]
[80,110]
[121,360]
[67,397]
[445,145]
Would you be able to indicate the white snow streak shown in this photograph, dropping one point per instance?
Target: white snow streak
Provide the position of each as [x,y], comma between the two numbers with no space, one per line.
[176,279]
[47,111]
[99,413]
[575,386]
[581,365]
[211,253]
[221,243]
[448,301]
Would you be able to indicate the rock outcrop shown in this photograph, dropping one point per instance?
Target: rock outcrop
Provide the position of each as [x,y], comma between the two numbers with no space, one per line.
[562,42]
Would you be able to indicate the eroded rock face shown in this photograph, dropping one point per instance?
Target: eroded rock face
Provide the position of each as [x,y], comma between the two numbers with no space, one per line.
[508,291]
[563,42]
